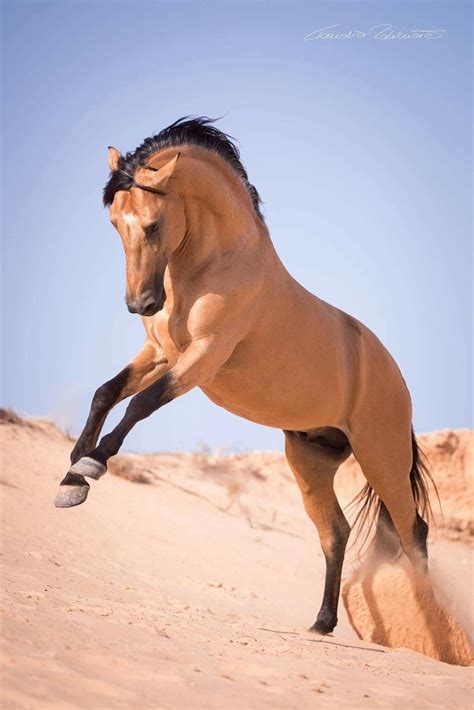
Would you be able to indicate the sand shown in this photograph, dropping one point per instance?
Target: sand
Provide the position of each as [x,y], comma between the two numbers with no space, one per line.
[192,589]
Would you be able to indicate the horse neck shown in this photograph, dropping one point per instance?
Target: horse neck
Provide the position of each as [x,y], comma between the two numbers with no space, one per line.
[220,217]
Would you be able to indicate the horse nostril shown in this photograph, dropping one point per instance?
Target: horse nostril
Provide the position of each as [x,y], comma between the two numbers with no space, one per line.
[149,307]
[143,306]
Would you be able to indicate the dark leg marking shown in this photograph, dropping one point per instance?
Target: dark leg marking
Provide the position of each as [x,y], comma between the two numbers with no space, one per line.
[387,540]
[140,407]
[74,488]
[104,399]
[420,535]
[326,620]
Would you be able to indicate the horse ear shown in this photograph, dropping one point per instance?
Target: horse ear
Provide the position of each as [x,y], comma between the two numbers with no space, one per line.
[114,158]
[157,178]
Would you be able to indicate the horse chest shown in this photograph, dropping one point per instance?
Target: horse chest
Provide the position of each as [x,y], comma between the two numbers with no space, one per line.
[171,334]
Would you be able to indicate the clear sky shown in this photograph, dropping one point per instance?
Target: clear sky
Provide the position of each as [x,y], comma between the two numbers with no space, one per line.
[360,149]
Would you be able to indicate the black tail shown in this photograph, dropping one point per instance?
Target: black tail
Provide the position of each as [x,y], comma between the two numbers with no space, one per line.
[372,509]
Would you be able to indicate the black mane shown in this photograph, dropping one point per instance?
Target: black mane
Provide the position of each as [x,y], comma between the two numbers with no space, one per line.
[184,131]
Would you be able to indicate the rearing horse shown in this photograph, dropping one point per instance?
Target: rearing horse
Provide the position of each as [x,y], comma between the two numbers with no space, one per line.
[222,313]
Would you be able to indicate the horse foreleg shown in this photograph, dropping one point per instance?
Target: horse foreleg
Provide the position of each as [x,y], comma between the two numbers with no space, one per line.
[148,365]
[196,365]
[314,467]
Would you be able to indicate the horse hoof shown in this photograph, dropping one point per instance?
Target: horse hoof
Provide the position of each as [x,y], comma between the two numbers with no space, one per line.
[323,625]
[69,496]
[87,466]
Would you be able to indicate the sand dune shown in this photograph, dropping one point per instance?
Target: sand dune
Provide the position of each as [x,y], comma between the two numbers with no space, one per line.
[195,588]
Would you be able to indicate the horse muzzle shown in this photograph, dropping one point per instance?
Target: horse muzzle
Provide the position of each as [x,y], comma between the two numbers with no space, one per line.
[145,304]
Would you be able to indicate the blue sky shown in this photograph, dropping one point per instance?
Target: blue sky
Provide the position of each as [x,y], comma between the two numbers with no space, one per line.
[360,148]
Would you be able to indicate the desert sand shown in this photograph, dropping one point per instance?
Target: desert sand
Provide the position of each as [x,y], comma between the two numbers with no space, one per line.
[192,584]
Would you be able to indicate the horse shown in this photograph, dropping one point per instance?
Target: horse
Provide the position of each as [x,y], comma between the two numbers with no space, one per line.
[221,312]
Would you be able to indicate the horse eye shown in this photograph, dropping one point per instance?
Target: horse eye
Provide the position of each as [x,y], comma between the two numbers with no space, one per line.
[151,230]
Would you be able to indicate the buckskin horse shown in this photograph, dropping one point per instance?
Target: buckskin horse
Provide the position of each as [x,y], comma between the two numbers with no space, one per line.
[222,313]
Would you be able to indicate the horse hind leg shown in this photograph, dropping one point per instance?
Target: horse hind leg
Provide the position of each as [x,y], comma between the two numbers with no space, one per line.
[314,461]
[387,541]
[396,475]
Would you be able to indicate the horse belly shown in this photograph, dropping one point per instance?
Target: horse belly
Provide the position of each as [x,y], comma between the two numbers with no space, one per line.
[281,392]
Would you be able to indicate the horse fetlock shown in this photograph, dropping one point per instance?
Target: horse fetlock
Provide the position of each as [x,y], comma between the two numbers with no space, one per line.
[74,488]
[325,623]
[87,466]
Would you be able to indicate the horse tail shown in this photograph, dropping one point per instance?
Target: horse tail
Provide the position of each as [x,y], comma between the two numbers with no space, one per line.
[371,509]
